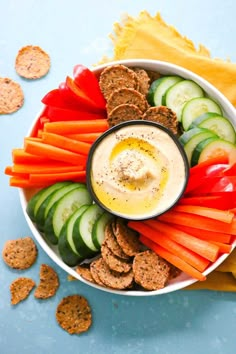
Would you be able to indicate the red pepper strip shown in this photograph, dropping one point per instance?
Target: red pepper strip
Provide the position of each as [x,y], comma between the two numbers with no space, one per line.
[230,171]
[75,93]
[61,114]
[216,184]
[195,180]
[86,80]
[221,202]
[58,98]
[213,161]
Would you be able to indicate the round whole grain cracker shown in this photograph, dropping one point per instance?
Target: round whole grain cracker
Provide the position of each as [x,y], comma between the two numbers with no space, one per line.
[32,62]
[114,263]
[126,95]
[11,96]
[20,253]
[111,278]
[74,314]
[94,273]
[123,113]
[127,238]
[48,284]
[143,80]
[20,289]
[150,271]
[111,242]
[116,76]
[84,272]
[162,115]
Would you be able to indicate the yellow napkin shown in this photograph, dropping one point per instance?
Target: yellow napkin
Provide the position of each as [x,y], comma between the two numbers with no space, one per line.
[150,37]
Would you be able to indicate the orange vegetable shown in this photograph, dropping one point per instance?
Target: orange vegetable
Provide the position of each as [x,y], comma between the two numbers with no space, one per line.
[86,137]
[204,234]
[20,182]
[203,248]
[53,167]
[173,259]
[197,221]
[223,247]
[213,213]
[21,156]
[73,127]
[66,143]
[55,177]
[52,152]
[166,242]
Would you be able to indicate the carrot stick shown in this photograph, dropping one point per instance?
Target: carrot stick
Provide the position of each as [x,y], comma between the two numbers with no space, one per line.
[66,143]
[204,248]
[213,213]
[204,234]
[210,201]
[9,170]
[25,183]
[72,127]
[58,154]
[86,137]
[195,260]
[224,248]
[21,156]
[46,168]
[197,221]
[54,177]
[173,259]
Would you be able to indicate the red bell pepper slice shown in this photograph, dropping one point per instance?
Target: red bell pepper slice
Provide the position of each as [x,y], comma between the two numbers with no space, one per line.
[230,171]
[60,114]
[58,98]
[196,179]
[221,202]
[213,161]
[87,81]
[73,92]
[216,184]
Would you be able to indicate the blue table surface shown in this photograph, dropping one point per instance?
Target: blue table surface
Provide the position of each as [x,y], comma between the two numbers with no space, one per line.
[181,322]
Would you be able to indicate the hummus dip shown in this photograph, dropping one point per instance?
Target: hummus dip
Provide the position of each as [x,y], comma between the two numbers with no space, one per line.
[137,171]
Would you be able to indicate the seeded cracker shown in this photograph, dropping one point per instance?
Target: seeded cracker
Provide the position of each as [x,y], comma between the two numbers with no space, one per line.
[84,272]
[143,80]
[20,289]
[73,314]
[127,239]
[49,282]
[11,96]
[164,116]
[20,253]
[126,95]
[150,270]
[116,76]
[111,242]
[114,263]
[32,62]
[122,113]
[94,273]
[111,278]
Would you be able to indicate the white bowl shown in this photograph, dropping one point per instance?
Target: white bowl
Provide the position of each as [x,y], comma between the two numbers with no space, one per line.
[183,279]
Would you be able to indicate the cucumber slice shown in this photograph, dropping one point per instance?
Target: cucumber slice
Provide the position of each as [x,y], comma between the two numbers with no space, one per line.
[199,149]
[195,108]
[48,202]
[192,138]
[98,230]
[219,125]
[158,88]
[82,231]
[66,246]
[35,202]
[201,118]
[61,211]
[214,148]
[180,93]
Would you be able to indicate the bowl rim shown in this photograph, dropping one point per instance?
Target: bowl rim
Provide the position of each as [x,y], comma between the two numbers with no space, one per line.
[117,128]
[183,280]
